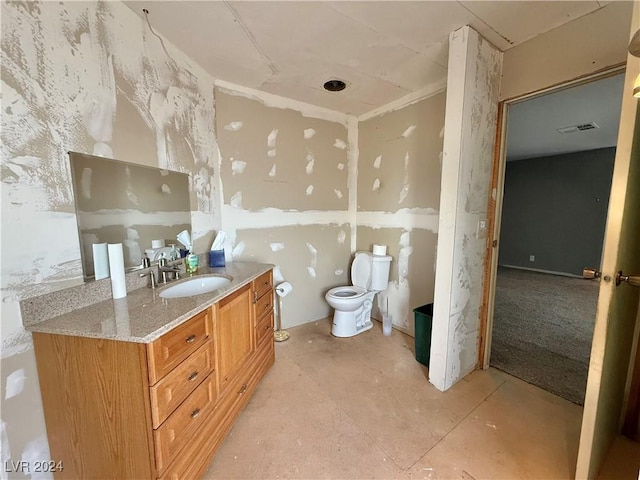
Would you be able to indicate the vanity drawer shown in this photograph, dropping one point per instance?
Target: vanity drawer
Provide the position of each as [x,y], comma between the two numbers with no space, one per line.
[176,345]
[263,306]
[263,284]
[179,429]
[264,328]
[169,392]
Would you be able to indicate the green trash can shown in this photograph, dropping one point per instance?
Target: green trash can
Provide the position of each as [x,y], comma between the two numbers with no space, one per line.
[423,321]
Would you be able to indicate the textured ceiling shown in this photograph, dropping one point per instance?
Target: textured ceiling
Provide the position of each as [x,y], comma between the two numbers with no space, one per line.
[383,50]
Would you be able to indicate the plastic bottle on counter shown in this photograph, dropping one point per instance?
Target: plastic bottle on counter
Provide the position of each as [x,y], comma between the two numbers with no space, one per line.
[191,262]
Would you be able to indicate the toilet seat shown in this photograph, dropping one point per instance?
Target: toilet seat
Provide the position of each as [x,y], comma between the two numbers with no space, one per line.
[361,270]
[348,291]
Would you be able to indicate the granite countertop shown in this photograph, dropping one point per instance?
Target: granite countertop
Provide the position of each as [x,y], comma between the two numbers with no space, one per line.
[143,316]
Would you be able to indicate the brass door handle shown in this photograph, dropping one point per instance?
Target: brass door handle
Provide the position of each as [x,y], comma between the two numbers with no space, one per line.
[190,339]
[633,280]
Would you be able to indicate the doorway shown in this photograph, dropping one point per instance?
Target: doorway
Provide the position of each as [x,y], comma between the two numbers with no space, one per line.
[555,179]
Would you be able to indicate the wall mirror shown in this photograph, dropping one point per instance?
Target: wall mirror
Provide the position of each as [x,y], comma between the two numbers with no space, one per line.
[120,202]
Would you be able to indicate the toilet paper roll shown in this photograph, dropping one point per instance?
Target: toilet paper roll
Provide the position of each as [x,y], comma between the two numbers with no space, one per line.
[100,261]
[157,243]
[284,289]
[379,249]
[116,267]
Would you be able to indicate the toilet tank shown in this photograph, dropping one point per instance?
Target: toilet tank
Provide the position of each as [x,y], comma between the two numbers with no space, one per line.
[380,265]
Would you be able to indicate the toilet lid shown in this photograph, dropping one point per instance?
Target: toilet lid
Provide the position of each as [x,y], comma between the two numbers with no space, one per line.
[361,270]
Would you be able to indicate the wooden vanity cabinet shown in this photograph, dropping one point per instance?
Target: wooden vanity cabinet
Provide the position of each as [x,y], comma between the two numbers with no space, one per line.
[117,409]
[263,310]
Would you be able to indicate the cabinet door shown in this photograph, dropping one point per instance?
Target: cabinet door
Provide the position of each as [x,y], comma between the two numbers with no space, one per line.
[234,334]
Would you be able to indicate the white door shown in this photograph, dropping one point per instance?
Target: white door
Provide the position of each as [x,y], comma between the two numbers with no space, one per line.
[617,307]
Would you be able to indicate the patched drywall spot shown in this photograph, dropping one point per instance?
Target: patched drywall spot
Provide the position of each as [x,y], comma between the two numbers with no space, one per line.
[377,162]
[309,133]
[340,166]
[238,166]
[310,163]
[236,200]
[272,137]
[309,190]
[278,277]
[14,384]
[314,260]
[409,131]
[338,272]
[339,143]
[34,453]
[276,247]
[404,191]
[233,126]
[271,153]
[342,235]
[376,184]
[238,250]
[338,193]
[166,189]
[5,447]
[272,172]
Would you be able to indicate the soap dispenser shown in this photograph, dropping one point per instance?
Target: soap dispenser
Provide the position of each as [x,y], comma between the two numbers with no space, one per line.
[191,262]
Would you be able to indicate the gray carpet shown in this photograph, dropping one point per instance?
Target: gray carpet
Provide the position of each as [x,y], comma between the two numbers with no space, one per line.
[543,328]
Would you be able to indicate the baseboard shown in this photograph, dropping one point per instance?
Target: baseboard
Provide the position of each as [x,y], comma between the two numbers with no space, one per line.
[539,270]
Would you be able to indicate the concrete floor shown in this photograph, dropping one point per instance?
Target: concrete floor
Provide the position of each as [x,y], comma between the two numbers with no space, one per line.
[362,407]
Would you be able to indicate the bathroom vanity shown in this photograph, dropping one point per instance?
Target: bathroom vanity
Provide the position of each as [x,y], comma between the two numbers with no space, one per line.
[147,387]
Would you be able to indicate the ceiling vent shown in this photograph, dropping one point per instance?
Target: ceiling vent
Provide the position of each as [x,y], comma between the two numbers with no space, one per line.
[578,128]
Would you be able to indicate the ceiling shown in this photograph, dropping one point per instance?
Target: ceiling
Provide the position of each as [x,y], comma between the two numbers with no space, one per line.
[383,50]
[532,125]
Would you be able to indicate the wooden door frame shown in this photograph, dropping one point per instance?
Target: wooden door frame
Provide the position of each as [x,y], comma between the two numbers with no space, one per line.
[495,201]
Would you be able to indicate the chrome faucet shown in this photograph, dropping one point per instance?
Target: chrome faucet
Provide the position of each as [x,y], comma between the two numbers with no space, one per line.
[165,272]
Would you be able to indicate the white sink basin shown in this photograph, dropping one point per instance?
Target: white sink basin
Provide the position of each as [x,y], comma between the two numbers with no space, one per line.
[195,286]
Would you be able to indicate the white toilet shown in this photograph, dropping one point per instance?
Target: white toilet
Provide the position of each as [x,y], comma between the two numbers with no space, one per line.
[353,303]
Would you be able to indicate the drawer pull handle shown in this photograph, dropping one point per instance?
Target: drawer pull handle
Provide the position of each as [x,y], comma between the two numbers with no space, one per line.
[266,327]
[191,339]
[266,307]
[195,413]
[243,389]
[193,376]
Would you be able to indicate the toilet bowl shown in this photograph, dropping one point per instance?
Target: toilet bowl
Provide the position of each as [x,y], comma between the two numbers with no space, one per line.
[352,304]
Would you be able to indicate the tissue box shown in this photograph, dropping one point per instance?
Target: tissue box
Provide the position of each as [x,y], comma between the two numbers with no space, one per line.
[216,258]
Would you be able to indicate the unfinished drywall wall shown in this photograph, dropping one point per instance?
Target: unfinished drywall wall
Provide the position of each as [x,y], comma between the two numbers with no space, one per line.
[473,85]
[584,46]
[280,158]
[286,177]
[89,77]
[412,274]
[399,171]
